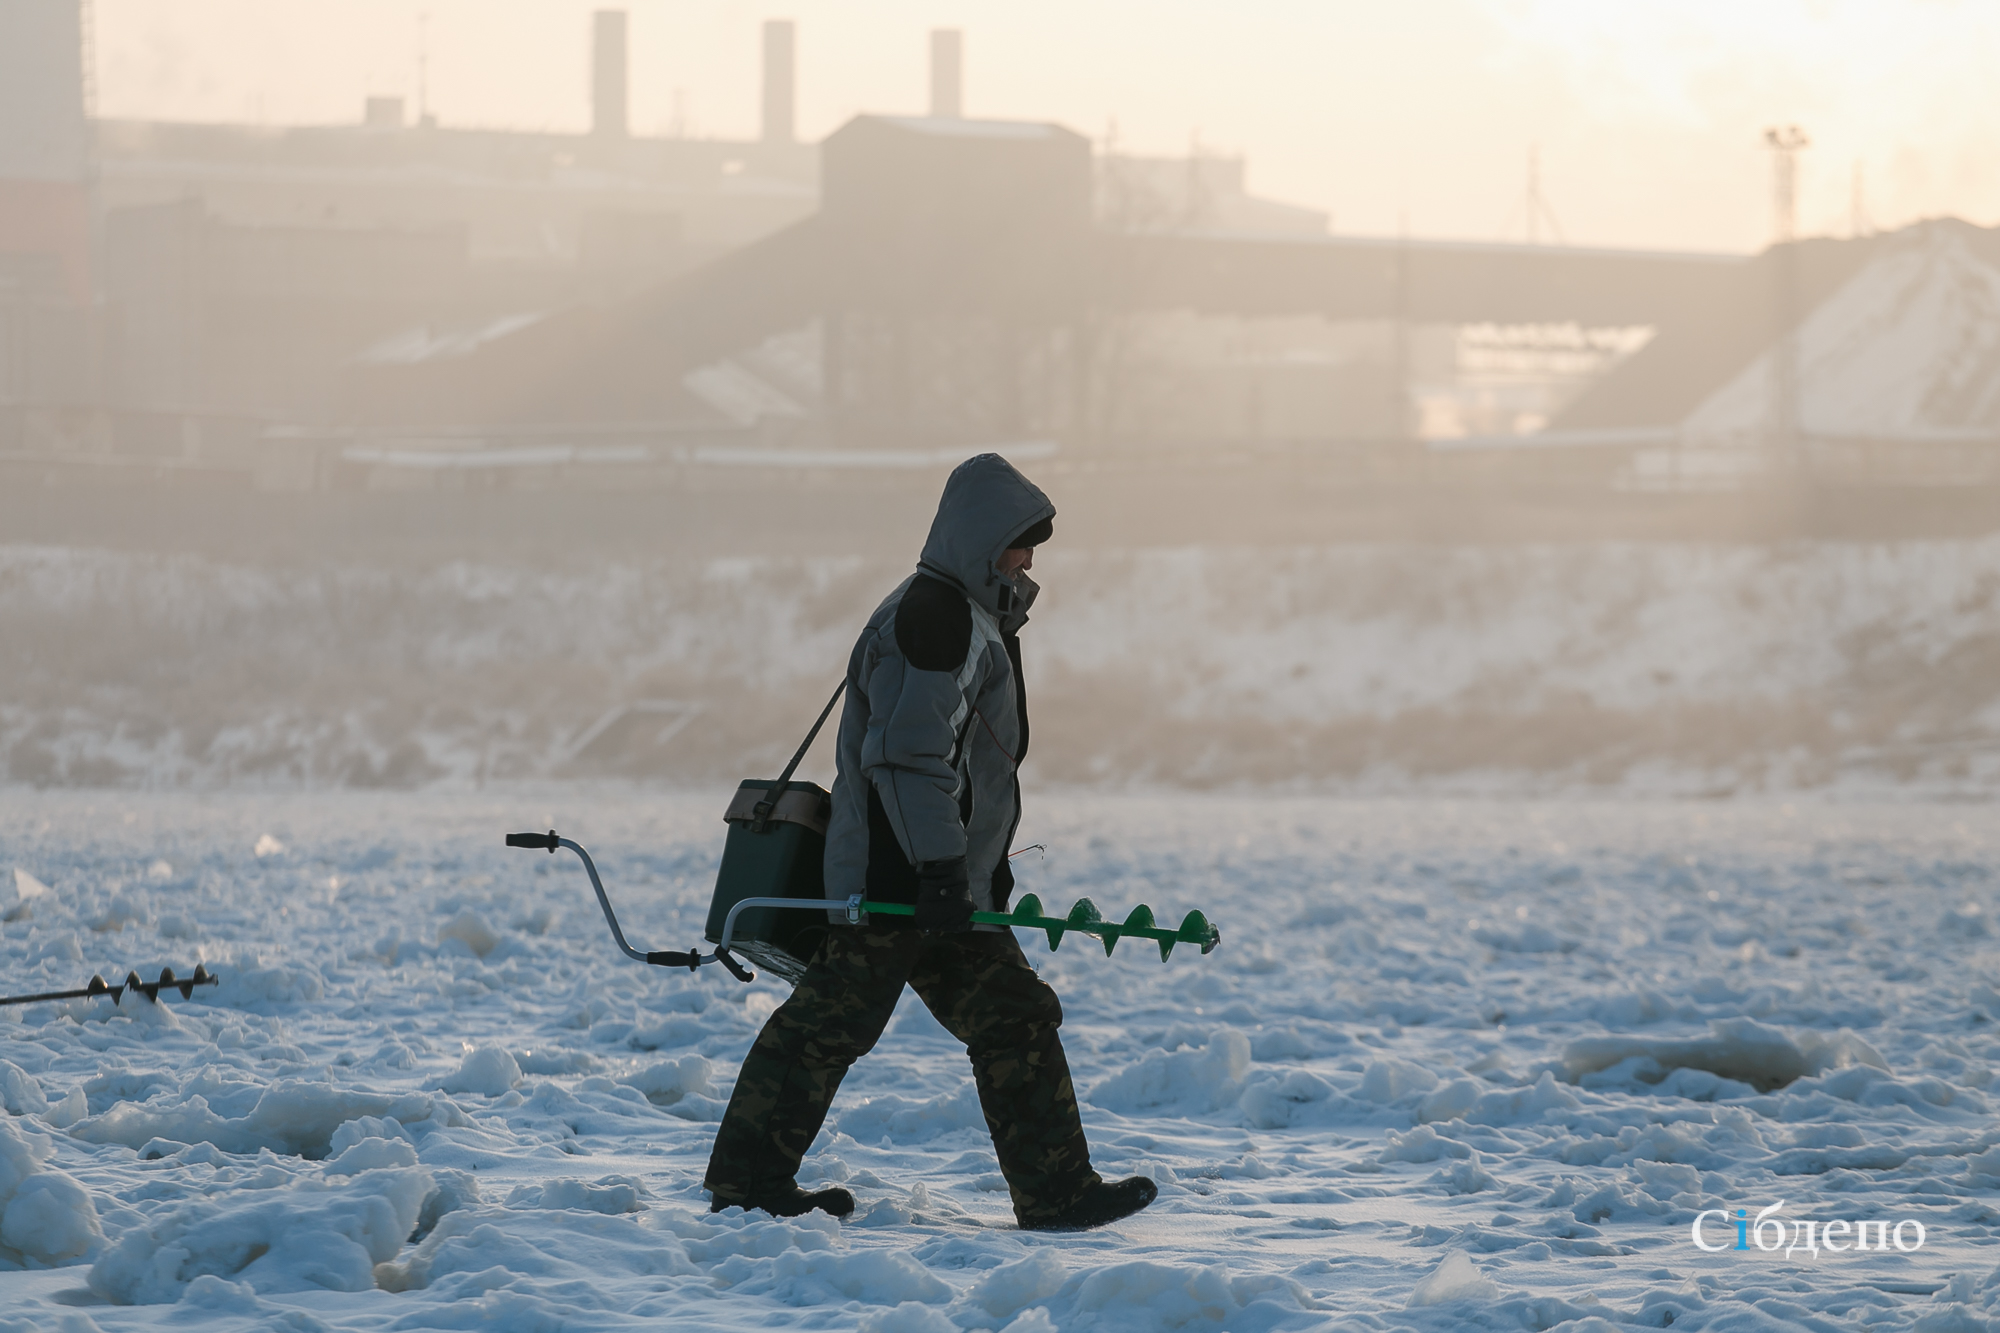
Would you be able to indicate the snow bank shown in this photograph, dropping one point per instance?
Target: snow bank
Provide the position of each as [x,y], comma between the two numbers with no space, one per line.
[810,1278]
[909,1317]
[893,1119]
[1391,1080]
[19,905]
[1145,1296]
[1656,665]
[20,1093]
[470,929]
[1456,1278]
[611,1195]
[1740,1049]
[1188,1082]
[1010,1288]
[683,1086]
[487,1071]
[325,1231]
[290,1117]
[46,1219]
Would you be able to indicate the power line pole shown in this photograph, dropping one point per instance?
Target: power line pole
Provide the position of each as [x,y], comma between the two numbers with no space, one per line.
[1538,208]
[1401,396]
[1785,142]
[424,70]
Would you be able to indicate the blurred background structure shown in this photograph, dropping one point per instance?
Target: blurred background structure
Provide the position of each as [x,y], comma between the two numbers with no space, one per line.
[395,303]
[395,340]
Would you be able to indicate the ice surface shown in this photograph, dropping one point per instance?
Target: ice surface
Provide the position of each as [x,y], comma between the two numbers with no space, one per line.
[1378,1105]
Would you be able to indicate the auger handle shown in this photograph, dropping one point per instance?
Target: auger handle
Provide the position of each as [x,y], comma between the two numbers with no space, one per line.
[691,960]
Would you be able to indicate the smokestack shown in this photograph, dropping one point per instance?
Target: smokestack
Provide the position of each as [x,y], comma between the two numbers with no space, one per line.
[780,80]
[947,73]
[44,125]
[607,74]
[45,196]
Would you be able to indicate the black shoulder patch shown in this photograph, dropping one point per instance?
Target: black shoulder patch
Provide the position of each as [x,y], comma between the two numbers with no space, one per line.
[933,625]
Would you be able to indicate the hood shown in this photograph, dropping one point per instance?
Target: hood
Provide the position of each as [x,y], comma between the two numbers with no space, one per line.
[986,504]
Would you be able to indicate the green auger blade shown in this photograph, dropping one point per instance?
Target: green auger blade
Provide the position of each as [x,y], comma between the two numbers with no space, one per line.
[1140,922]
[1027,915]
[1085,919]
[1195,930]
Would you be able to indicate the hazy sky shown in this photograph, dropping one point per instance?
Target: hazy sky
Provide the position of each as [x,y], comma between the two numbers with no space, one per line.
[1648,113]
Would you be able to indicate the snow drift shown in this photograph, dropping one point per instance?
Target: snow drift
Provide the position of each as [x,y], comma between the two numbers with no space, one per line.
[1685,667]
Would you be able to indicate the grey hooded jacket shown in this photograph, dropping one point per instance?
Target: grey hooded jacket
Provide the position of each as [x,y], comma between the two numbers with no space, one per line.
[935,724]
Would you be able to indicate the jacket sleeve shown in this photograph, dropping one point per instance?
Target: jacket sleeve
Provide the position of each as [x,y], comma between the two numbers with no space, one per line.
[908,752]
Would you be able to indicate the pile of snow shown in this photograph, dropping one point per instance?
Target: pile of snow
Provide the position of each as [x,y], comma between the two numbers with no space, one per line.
[1188,1081]
[896,1119]
[21,904]
[1740,1050]
[1456,1278]
[1907,347]
[46,1218]
[326,1231]
[487,1071]
[611,1195]
[20,1092]
[292,1117]
[686,1086]
[470,929]
[1155,1295]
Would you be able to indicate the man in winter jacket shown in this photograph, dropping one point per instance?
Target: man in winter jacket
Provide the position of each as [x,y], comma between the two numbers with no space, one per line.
[925,805]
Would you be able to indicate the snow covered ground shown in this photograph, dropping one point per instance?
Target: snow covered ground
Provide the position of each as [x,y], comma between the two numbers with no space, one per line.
[1455,1065]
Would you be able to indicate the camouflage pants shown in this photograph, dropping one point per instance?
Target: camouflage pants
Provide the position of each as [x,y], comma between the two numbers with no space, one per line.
[980,987]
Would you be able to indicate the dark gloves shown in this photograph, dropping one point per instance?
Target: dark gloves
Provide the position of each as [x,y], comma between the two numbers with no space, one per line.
[944,900]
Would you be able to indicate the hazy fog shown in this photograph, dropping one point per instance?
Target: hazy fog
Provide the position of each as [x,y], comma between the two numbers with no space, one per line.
[565,412]
[1648,115]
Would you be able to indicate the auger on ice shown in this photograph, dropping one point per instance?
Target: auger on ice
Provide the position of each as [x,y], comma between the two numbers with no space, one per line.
[150,989]
[776,951]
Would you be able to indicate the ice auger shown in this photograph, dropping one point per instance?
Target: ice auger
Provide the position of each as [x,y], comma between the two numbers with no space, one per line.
[150,989]
[1083,919]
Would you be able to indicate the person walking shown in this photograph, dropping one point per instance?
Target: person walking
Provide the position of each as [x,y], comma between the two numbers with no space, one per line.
[926,799]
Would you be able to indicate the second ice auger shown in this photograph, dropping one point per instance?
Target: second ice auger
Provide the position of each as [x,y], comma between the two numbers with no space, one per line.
[167,981]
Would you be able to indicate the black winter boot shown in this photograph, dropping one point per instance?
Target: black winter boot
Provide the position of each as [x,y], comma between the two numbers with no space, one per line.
[788,1200]
[1101,1204]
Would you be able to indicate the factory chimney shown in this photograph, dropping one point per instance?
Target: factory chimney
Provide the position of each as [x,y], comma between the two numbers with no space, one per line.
[780,80]
[947,73]
[608,101]
[45,154]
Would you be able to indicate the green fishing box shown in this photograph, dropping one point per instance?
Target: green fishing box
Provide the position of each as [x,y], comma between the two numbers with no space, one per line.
[782,860]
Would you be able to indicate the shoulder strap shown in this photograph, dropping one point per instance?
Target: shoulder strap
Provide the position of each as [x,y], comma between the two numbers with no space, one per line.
[763,808]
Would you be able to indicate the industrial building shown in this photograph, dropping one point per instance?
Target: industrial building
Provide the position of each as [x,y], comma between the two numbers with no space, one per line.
[397,303]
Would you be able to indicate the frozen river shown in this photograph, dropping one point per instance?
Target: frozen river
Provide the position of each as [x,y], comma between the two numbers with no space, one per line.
[1455,1065]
